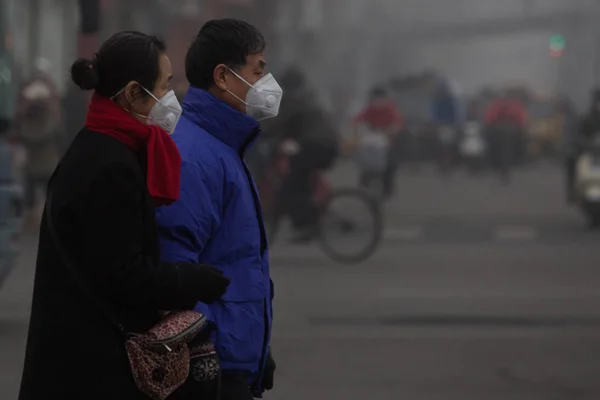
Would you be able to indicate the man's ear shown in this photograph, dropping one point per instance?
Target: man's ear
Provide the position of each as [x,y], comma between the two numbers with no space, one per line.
[220,76]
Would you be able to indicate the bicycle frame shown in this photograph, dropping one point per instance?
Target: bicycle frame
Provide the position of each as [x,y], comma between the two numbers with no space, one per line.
[269,187]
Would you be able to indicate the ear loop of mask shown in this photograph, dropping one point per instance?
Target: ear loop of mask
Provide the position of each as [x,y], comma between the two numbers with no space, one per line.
[131,111]
[243,80]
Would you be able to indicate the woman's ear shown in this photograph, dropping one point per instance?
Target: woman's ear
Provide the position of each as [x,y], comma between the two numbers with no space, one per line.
[132,92]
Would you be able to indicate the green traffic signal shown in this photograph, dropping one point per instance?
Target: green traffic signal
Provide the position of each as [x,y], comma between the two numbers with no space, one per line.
[557,42]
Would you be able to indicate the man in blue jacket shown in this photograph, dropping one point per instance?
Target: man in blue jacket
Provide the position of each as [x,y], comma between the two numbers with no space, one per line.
[217,219]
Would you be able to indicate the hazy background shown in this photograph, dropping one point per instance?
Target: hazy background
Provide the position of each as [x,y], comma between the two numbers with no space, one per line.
[350,43]
[479,290]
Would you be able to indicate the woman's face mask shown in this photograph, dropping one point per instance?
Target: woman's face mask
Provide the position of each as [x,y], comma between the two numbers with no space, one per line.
[165,112]
[263,99]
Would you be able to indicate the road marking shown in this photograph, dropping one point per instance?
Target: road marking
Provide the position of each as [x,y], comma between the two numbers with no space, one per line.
[408,233]
[516,233]
[538,297]
[311,333]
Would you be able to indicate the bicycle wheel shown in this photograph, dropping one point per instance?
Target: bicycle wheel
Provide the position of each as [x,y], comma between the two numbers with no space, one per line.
[340,226]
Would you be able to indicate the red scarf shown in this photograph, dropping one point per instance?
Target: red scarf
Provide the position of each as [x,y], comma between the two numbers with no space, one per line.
[164,162]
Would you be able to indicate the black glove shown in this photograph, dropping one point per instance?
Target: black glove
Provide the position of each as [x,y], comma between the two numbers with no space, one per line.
[269,373]
[213,284]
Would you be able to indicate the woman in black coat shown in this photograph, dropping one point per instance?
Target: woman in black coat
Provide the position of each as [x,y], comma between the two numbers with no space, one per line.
[102,195]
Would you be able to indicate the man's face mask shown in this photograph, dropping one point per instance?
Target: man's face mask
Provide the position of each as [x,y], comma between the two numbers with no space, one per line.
[263,99]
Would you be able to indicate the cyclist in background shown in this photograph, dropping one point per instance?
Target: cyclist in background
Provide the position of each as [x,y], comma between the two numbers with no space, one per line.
[446,116]
[382,114]
[505,121]
[306,134]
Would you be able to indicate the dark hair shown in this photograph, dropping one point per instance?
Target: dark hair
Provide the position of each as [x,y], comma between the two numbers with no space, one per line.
[124,57]
[221,41]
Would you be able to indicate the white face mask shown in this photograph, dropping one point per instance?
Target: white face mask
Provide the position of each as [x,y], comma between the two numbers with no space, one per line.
[263,98]
[165,112]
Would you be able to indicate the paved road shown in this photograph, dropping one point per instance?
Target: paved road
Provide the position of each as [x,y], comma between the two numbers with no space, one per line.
[479,291]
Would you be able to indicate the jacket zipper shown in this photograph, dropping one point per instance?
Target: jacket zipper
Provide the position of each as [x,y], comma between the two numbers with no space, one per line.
[166,342]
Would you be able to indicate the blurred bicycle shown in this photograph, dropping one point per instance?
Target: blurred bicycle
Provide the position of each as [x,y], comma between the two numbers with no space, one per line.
[339,226]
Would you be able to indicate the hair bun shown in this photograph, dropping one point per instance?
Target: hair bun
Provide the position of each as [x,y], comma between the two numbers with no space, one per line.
[84,74]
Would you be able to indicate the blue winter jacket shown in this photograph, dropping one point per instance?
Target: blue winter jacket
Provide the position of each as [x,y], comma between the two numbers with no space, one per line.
[217,221]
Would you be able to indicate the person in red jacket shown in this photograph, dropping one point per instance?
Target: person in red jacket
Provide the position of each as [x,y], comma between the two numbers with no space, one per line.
[382,114]
[505,121]
[506,110]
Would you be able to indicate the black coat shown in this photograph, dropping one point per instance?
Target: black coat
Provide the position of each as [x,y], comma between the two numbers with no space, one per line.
[105,220]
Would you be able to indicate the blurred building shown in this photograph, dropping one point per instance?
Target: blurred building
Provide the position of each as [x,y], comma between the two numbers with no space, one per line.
[346,46]
[475,42]
[45,29]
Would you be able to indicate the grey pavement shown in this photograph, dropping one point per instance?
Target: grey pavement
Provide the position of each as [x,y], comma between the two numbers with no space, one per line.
[478,291]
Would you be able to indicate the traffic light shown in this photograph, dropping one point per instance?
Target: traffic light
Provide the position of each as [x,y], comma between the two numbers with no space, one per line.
[556,45]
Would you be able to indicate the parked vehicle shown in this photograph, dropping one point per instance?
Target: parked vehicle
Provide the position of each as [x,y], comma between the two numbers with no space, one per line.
[546,126]
[587,183]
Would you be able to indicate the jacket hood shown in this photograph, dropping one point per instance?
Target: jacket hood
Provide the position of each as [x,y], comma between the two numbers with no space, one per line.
[235,129]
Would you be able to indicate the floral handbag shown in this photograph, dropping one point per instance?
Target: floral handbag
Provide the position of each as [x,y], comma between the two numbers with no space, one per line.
[160,357]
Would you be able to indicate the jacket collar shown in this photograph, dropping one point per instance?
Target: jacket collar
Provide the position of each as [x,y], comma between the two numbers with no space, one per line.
[235,129]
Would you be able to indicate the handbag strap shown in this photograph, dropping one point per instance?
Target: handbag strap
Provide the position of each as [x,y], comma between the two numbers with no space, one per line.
[72,267]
